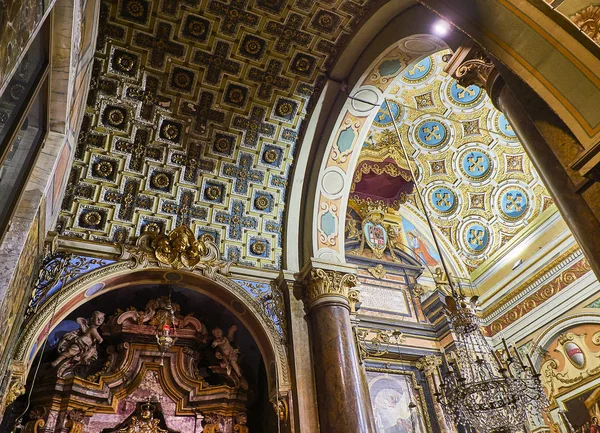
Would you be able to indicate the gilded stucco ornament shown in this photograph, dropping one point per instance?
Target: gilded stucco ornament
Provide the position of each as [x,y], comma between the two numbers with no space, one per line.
[471,65]
[15,391]
[378,343]
[322,283]
[378,271]
[179,249]
[429,363]
[146,423]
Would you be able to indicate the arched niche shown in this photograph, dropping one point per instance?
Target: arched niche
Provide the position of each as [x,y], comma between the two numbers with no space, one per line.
[188,381]
[566,354]
[217,287]
[340,156]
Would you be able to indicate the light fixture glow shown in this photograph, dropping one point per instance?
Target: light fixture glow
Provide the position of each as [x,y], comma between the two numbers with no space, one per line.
[441,28]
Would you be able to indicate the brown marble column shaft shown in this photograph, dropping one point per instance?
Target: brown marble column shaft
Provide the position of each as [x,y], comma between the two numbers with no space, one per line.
[471,65]
[344,403]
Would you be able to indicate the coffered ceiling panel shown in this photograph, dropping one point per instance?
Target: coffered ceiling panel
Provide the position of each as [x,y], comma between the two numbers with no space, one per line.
[192,117]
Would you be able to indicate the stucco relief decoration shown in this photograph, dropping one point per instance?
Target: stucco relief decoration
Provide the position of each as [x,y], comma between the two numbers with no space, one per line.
[544,292]
[574,360]
[328,223]
[344,143]
[481,187]
[181,249]
[183,95]
[588,20]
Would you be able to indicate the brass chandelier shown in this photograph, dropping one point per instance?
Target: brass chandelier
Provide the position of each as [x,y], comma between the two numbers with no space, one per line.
[478,388]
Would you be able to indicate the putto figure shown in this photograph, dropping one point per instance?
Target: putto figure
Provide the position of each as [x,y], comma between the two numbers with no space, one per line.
[79,347]
[225,351]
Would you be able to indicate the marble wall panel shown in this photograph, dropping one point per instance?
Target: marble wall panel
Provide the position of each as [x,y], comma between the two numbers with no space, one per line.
[19,19]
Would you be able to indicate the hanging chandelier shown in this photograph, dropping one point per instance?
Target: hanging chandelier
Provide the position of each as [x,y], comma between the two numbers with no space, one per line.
[478,388]
[492,393]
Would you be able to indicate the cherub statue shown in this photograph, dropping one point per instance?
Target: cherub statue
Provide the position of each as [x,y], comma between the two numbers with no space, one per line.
[225,351]
[79,347]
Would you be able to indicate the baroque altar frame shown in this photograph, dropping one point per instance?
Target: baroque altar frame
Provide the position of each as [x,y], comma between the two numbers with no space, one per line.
[86,270]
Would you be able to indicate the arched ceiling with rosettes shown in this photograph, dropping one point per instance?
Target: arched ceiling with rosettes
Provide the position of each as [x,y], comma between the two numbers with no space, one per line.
[193,114]
[476,180]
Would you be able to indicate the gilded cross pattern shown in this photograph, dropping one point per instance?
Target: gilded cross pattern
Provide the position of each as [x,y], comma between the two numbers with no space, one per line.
[443,199]
[432,133]
[186,98]
[476,236]
[464,91]
[476,163]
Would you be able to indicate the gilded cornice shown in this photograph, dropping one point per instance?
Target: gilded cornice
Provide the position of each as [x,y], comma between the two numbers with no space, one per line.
[517,294]
[543,292]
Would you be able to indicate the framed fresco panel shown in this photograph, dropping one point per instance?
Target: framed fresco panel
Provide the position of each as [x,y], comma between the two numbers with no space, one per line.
[397,400]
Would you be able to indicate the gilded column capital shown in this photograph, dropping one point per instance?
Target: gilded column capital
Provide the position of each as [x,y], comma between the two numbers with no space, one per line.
[321,283]
[428,363]
[471,65]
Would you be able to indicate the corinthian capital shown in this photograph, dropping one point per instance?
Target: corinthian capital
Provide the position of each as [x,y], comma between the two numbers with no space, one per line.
[428,363]
[470,65]
[320,283]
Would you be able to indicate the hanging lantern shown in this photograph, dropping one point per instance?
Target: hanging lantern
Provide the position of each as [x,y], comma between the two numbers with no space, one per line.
[166,324]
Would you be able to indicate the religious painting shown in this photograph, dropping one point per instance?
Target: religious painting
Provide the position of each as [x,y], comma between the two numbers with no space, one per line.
[419,246]
[583,411]
[396,403]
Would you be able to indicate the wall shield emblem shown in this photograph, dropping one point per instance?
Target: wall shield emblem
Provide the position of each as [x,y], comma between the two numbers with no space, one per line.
[376,237]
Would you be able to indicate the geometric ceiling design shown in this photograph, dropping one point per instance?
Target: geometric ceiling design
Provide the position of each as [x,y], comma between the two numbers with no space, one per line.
[477,182]
[193,113]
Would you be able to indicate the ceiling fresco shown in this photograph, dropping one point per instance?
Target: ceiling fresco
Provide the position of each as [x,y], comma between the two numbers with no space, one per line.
[477,182]
[192,117]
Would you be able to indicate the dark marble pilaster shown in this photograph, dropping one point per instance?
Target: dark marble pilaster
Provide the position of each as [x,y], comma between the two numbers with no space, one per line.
[342,394]
[543,135]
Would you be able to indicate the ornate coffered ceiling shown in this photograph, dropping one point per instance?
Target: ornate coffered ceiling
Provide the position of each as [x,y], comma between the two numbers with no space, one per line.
[476,179]
[192,117]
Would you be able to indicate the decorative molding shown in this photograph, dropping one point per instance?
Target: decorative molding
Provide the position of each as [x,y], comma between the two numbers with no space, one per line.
[541,295]
[378,343]
[517,294]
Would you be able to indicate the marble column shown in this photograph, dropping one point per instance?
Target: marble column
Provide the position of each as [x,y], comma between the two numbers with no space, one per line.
[342,394]
[471,65]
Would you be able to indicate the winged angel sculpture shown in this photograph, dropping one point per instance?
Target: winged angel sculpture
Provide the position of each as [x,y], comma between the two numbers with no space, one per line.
[78,347]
